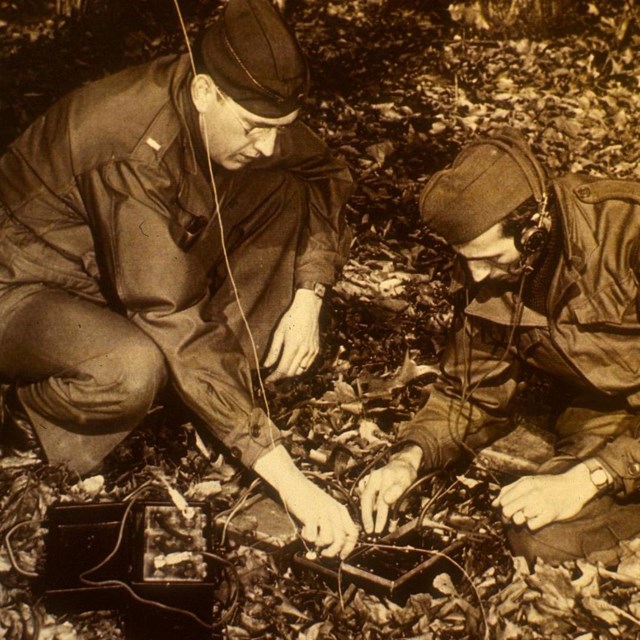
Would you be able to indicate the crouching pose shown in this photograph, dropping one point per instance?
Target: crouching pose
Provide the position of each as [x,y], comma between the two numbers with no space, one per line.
[550,271]
[115,209]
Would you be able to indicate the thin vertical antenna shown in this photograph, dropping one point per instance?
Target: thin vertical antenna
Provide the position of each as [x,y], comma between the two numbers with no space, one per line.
[214,190]
[227,263]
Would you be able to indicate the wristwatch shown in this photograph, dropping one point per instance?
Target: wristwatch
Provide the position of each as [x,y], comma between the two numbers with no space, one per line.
[598,474]
[317,287]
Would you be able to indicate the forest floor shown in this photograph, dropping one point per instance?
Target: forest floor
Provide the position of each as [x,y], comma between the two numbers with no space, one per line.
[399,86]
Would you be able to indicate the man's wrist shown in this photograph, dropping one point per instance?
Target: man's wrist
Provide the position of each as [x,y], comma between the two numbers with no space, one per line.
[278,469]
[581,481]
[318,288]
[411,455]
[599,475]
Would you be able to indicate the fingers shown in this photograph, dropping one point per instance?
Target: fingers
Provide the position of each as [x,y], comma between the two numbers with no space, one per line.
[292,359]
[332,538]
[293,363]
[351,534]
[512,492]
[334,530]
[537,522]
[310,531]
[307,360]
[369,492]
[275,349]
[520,504]
[378,491]
[382,511]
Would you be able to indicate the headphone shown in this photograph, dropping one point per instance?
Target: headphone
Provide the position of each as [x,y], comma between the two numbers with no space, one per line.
[534,233]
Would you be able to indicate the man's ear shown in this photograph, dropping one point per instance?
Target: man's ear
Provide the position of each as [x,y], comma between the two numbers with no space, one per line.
[203,92]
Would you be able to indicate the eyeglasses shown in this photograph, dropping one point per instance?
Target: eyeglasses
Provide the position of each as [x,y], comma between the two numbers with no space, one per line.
[254,130]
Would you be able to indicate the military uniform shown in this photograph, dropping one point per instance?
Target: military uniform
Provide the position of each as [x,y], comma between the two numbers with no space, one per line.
[112,277]
[586,334]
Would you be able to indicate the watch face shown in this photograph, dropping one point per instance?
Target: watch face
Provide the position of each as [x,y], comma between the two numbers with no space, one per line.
[599,478]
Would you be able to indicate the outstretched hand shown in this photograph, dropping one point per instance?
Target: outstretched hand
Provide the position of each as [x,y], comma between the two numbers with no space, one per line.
[325,522]
[541,500]
[296,339]
[382,487]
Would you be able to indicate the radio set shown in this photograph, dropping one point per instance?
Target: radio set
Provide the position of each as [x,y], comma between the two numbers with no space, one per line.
[150,559]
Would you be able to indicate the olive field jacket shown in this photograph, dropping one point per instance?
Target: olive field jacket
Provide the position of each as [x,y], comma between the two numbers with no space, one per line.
[100,196]
[593,321]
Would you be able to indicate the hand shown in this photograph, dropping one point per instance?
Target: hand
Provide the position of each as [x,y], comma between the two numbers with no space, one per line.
[325,521]
[381,488]
[296,339]
[540,500]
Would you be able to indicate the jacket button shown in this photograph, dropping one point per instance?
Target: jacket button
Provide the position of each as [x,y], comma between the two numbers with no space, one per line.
[255,431]
[634,469]
[236,453]
[583,192]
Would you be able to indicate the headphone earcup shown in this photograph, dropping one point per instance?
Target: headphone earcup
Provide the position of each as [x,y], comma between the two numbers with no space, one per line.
[531,239]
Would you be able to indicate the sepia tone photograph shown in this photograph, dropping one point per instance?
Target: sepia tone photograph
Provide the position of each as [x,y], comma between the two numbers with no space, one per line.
[319,320]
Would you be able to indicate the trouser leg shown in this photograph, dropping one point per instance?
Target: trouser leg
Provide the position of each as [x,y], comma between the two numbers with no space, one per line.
[268,211]
[595,533]
[86,376]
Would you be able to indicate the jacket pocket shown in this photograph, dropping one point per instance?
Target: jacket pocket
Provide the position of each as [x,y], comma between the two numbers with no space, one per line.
[615,304]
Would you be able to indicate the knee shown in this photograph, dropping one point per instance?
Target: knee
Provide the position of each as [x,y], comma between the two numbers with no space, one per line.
[595,533]
[132,374]
[544,544]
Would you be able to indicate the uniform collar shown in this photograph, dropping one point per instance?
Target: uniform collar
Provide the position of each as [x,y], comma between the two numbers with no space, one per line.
[501,306]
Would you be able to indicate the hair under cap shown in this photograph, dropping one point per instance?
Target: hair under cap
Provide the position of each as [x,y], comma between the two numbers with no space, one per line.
[255,59]
[486,182]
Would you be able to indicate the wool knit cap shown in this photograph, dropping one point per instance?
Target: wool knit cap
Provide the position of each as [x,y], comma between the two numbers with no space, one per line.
[255,59]
[487,181]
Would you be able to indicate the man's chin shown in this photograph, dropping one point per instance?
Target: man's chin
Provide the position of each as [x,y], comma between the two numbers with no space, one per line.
[236,162]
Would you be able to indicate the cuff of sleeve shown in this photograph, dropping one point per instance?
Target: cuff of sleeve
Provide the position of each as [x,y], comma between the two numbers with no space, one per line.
[622,458]
[409,434]
[323,275]
[258,436]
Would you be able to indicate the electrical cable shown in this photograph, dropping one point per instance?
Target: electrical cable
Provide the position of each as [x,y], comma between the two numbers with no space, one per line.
[393,516]
[214,190]
[232,511]
[431,552]
[83,576]
[12,559]
[230,608]
[335,485]
[119,583]
[466,392]
[368,467]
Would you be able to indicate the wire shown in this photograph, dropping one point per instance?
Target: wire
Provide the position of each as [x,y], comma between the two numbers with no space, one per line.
[336,485]
[214,190]
[440,554]
[368,468]
[466,392]
[9,548]
[119,583]
[412,487]
[233,572]
[186,37]
[235,508]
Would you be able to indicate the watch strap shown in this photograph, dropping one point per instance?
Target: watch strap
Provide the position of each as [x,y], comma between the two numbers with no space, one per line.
[600,477]
[317,287]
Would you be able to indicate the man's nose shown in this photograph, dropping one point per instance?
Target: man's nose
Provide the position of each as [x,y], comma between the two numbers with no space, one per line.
[479,271]
[267,142]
